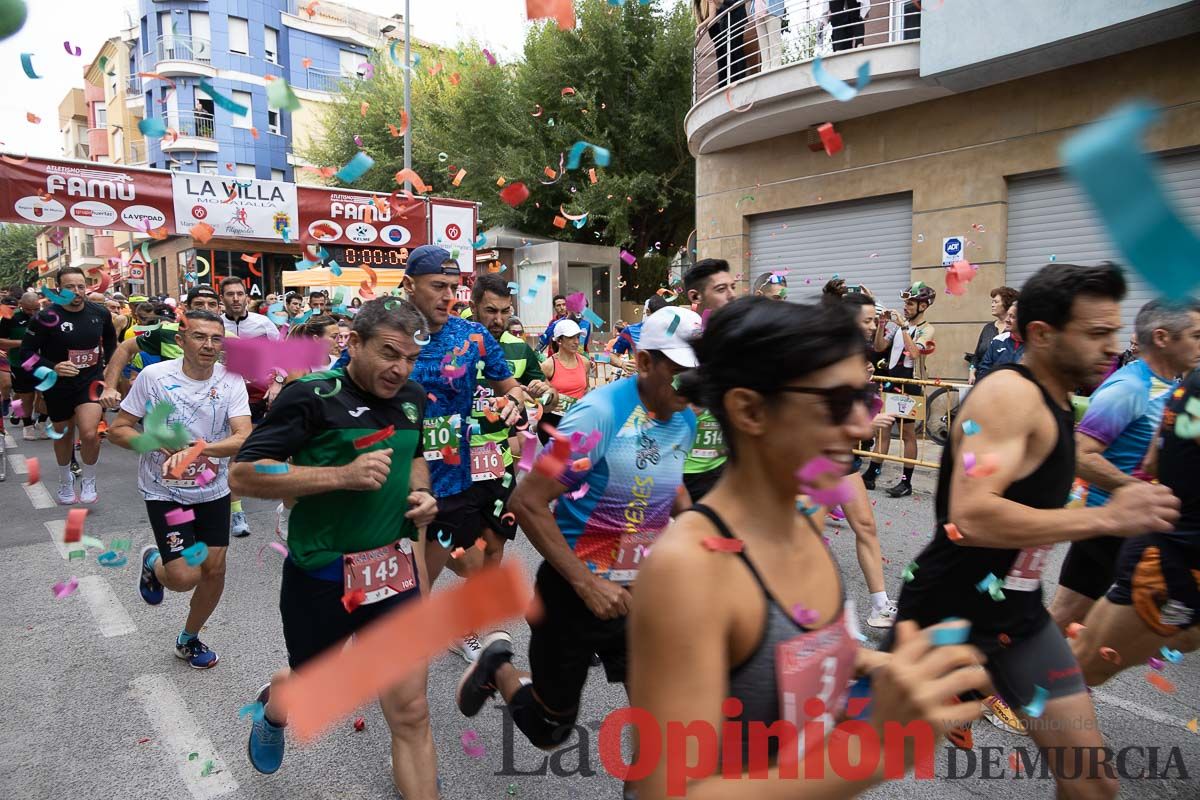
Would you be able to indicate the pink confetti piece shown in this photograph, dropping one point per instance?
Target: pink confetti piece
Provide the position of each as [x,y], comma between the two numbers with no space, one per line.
[471,744]
[491,59]
[576,302]
[528,451]
[179,516]
[206,477]
[258,359]
[65,588]
[580,492]
[815,468]
[804,616]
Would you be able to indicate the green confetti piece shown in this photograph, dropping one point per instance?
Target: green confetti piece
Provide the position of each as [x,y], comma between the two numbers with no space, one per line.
[74,554]
[208,769]
[193,756]
[121,544]
[909,572]
[281,96]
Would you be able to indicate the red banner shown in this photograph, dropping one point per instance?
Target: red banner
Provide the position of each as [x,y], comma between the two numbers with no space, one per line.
[100,196]
[341,216]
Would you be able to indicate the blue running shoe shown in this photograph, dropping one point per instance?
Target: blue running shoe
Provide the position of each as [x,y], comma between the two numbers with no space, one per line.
[196,653]
[265,748]
[148,585]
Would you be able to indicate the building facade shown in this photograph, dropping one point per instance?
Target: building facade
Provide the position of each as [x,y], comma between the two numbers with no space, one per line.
[955,138]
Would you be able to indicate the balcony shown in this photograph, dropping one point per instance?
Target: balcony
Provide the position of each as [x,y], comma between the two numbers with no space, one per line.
[97,142]
[752,79]
[176,55]
[196,133]
[136,152]
[322,80]
[336,22]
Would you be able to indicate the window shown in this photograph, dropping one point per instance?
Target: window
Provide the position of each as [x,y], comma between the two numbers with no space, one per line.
[273,120]
[271,45]
[246,171]
[208,167]
[349,60]
[239,36]
[243,99]
[277,175]
[201,43]
[101,115]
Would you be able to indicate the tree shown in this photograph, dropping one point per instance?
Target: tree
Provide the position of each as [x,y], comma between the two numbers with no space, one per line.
[621,80]
[18,247]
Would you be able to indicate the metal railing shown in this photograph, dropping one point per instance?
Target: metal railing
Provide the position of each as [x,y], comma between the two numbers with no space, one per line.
[176,47]
[323,80]
[199,124]
[133,85]
[136,153]
[751,37]
[333,14]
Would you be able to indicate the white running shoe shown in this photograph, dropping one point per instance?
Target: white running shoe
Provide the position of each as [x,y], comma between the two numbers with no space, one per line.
[66,493]
[469,647]
[40,429]
[884,617]
[29,433]
[87,491]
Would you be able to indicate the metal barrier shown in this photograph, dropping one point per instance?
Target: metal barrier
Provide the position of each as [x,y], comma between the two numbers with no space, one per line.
[934,415]
[750,37]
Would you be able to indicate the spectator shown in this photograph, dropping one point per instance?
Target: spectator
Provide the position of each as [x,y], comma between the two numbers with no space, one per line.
[1002,299]
[769,21]
[726,22]
[1006,348]
[772,285]
[846,19]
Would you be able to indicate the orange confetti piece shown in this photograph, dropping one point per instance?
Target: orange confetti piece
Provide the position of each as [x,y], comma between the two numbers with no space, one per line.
[254,132]
[158,233]
[561,11]
[1161,683]
[35,471]
[559,222]
[190,455]
[500,181]
[952,532]
[592,175]
[1194,725]
[462,173]
[32,117]
[362,108]
[306,62]
[411,175]
[1073,630]
[455,78]
[719,544]
[568,90]
[582,465]
[202,232]
[73,531]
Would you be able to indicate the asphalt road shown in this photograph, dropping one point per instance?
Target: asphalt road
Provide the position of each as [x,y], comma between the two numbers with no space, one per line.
[96,704]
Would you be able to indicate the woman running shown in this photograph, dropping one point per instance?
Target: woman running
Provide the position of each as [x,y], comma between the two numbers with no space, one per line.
[567,370]
[739,612]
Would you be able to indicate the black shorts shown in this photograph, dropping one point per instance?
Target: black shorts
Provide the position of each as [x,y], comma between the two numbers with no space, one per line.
[562,643]
[1090,566]
[210,526]
[699,484]
[487,495]
[314,618]
[1159,575]
[459,519]
[907,373]
[62,400]
[23,382]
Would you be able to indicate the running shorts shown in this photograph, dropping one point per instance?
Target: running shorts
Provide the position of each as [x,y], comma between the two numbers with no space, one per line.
[562,643]
[210,526]
[63,399]
[23,382]
[1090,565]
[314,619]
[486,495]
[459,520]
[1159,575]
[699,484]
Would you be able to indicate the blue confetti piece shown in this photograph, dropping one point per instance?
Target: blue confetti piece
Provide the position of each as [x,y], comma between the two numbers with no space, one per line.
[445,539]
[27,65]
[970,427]
[223,101]
[592,317]
[63,298]
[271,469]
[1037,706]
[195,555]
[355,168]
[48,378]
[1107,162]
[838,88]
[599,154]
[944,636]
[335,268]
[1174,656]
[986,583]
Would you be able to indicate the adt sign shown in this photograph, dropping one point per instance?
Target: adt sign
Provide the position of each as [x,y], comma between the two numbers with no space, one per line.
[952,249]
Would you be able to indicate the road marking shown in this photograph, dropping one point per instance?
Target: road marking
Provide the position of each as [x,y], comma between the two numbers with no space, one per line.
[1137,710]
[57,529]
[9,441]
[111,616]
[17,462]
[180,735]
[38,495]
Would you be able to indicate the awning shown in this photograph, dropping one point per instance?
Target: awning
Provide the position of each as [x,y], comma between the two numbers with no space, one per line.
[322,277]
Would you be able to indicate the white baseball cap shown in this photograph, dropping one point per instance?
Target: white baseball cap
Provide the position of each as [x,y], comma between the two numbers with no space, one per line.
[670,331]
[566,327]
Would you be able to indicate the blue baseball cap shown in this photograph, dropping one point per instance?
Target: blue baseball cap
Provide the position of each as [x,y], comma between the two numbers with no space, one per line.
[430,259]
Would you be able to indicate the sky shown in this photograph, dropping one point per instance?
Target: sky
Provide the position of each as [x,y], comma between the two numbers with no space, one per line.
[87,24]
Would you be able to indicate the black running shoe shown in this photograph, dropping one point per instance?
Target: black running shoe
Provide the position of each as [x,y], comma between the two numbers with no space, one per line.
[478,683]
[869,478]
[901,489]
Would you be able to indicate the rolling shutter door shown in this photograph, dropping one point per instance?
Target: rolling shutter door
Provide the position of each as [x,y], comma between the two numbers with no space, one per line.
[1049,215]
[863,241]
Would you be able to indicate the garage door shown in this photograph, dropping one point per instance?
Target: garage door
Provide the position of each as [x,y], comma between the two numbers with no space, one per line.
[1048,215]
[865,241]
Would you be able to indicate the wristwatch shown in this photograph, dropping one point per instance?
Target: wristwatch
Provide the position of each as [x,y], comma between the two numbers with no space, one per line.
[424,489]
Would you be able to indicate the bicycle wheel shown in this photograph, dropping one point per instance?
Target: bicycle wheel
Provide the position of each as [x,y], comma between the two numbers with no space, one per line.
[940,411]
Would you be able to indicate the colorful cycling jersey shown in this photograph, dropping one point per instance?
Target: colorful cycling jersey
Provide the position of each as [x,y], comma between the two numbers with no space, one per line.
[525,368]
[448,369]
[627,342]
[708,451]
[1124,414]
[636,470]
[160,341]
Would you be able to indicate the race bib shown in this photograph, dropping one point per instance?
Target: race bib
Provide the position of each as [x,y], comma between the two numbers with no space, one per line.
[565,402]
[84,358]
[814,665]
[486,462]
[380,573]
[632,549]
[439,432]
[191,475]
[709,441]
[1025,575]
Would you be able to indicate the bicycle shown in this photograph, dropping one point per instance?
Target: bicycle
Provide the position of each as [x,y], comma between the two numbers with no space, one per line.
[940,410]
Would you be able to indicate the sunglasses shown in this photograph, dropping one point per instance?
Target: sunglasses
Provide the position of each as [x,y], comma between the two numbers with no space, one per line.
[778,280]
[517,331]
[839,400]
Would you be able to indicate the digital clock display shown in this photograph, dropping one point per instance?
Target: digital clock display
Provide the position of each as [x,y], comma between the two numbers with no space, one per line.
[369,256]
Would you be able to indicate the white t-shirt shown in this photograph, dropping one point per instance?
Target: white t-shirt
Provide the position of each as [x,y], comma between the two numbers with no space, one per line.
[252,326]
[204,408]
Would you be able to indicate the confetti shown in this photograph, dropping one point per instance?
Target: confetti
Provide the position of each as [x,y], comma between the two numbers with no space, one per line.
[281,96]
[838,88]
[355,168]
[180,516]
[111,558]
[73,530]
[628,257]
[958,275]
[1004,639]
[34,119]
[970,427]
[1160,683]
[491,59]
[360,725]
[152,126]
[65,588]
[223,101]
[27,65]
[1174,656]
[471,744]
[352,600]
[202,232]
[73,50]
[910,572]
[831,139]
[1155,664]
[35,471]
[719,544]
[195,555]
[940,637]
[363,442]
[599,154]
[253,710]
[804,616]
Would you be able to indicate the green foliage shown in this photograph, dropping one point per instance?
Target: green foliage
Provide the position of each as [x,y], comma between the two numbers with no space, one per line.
[18,246]
[630,68]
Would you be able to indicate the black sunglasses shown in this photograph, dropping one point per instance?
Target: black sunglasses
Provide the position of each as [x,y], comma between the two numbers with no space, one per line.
[839,400]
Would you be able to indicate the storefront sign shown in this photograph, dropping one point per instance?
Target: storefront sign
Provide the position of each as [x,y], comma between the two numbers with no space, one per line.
[454,229]
[362,218]
[236,208]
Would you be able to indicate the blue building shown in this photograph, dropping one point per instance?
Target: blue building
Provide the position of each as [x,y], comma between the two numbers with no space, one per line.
[234,45]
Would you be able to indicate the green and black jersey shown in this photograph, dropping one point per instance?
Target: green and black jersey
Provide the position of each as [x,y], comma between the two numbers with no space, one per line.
[313,423]
[14,327]
[523,362]
[159,342]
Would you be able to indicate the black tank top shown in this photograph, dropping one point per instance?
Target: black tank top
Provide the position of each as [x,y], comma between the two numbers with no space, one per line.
[946,582]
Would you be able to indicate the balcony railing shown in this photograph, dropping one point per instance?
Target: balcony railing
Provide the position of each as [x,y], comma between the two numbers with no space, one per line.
[174,47]
[321,80]
[740,42]
[329,14]
[136,153]
[197,124]
[133,85]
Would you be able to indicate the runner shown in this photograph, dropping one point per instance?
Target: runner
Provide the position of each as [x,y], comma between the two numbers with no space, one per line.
[73,338]
[240,322]
[318,302]
[493,470]
[592,542]
[910,339]
[1114,436]
[12,332]
[120,321]
[626,344]
[355,510]
[569,372]
[211,404]
[772,286]
[1007,514]
[709,285]
[561,313]
[802,398]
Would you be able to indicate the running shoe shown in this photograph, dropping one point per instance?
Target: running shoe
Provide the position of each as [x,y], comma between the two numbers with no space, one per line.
[836,514]
[196,653]
[469,647]
[265,748]
[478,683]
[39,428]
[87,491]
[869,478]
[882,617]
[901,489]
[29,433]
[148,584]
[66,493]
[1000,715]
[240,527]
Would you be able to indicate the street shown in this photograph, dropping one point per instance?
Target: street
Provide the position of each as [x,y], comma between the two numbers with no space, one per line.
[97,705]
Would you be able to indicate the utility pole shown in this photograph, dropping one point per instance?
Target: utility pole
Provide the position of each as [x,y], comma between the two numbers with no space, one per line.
[408,93]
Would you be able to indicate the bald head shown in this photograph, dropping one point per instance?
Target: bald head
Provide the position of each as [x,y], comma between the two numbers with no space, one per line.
[30,302]
[96,297]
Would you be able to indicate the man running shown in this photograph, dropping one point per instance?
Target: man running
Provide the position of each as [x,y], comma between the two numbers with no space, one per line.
[241,322]
[12,332]
[999,506]
[359,510]
[561,313]
[910,339]
[626,345]
[187,491]
[1114,435]
[73,338]
[709,285]
[318,302]
[610,509]
[493,472]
